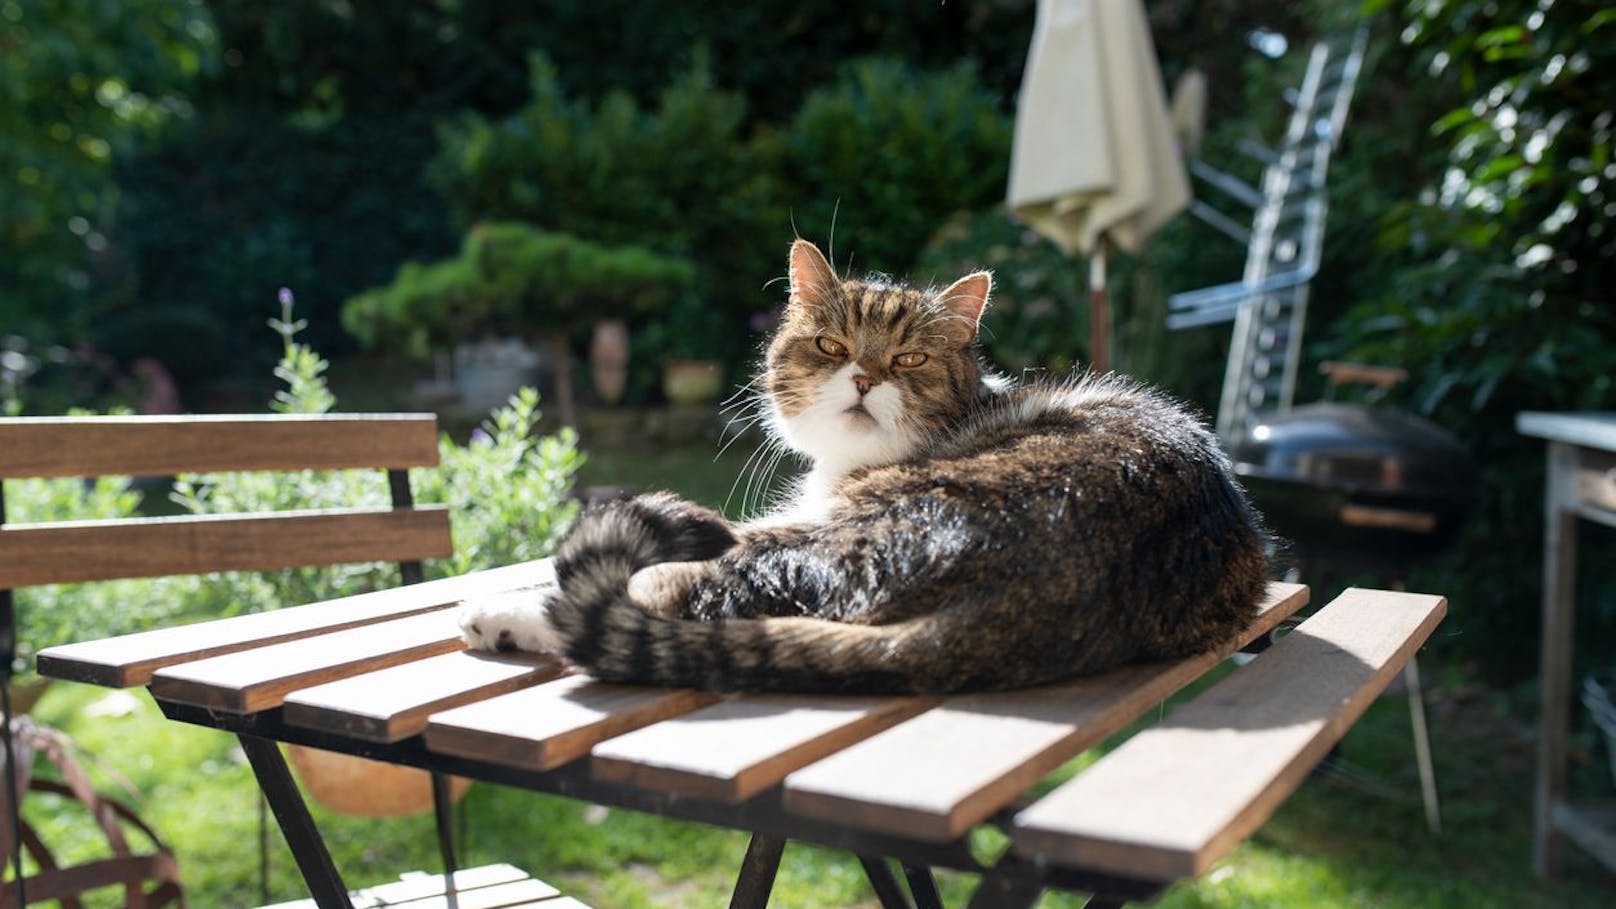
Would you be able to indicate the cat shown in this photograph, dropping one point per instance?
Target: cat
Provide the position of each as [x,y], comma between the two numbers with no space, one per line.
[955,532]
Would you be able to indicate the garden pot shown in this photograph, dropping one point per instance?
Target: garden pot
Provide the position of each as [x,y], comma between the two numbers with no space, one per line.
[26,692]
[365,788]
[687,382]
[488,372]
[608,360]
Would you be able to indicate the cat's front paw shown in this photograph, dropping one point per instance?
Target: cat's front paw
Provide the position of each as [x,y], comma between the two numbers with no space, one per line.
[518,620]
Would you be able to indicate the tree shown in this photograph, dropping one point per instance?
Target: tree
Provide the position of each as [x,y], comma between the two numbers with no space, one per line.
[80,81]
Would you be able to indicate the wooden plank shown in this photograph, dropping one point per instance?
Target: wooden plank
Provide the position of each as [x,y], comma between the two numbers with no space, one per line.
[1596,485]
[259,679]
[131,659]
[393,704]
[1556,643]
[1177,797]
[73,551]
[416,885]
[941,773]
[554,723]
[736,749]
[162,445]
[1591,430]
[513,895]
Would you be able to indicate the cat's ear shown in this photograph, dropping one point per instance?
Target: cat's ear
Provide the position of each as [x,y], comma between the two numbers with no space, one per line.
[812,278]
[964,301]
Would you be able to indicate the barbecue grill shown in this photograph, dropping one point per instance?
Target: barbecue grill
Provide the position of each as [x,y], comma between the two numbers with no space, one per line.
[1357,483]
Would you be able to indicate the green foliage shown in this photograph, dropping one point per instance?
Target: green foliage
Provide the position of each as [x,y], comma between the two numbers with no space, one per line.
[513,279]
[1494,259]
[211,224]
[80,81]
[678,178]
[507,491]
[888,152]
[900,147]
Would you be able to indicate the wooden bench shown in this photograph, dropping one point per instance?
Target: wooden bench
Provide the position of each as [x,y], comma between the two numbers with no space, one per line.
[889,778]
[77,551]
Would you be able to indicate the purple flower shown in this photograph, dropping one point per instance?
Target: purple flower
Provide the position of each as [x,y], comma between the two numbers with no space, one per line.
[480,436]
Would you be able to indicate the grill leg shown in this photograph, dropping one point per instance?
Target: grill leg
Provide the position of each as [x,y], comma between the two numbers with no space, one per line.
[1422,745]
[302,837]
[756,880]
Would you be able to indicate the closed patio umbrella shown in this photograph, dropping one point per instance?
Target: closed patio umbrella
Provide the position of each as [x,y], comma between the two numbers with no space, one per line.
[1095,163]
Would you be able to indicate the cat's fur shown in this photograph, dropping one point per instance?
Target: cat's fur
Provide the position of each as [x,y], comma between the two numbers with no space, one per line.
[955,533]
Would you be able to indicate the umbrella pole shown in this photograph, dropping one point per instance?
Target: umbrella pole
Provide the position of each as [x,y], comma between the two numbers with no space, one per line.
[1099,313]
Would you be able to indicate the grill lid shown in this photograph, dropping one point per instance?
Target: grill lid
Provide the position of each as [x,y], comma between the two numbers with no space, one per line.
[1357,449]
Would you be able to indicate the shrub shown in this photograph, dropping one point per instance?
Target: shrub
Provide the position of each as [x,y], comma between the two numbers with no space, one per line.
[213,222]
[678,178]
[888,153]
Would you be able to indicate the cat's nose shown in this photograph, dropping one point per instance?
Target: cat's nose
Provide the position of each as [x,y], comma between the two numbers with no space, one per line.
[864,384]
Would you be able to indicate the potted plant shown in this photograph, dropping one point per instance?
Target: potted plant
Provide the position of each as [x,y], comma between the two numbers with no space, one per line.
[688,340]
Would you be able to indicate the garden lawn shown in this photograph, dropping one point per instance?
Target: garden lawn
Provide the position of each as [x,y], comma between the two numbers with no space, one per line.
[1337,842]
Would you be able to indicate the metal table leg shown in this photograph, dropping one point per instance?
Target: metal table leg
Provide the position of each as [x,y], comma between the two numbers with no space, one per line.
[442,810]
[887,890]
[756,880]
[923,886]
[308,849]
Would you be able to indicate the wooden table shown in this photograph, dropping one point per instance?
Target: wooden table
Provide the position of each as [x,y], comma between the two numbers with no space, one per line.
[1581,483]
[904,779]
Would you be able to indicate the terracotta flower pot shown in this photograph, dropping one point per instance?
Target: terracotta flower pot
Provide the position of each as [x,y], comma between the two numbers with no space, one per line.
[366,788]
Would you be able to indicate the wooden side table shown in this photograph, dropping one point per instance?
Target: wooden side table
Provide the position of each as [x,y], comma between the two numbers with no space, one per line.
[1581,484]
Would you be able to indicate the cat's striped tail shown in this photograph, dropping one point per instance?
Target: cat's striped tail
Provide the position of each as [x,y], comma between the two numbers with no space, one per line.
[601,630]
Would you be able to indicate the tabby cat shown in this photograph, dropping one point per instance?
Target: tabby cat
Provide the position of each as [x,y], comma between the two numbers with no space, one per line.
[955,532]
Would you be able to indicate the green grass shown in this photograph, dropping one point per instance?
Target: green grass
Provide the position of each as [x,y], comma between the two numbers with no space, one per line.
[1333,844]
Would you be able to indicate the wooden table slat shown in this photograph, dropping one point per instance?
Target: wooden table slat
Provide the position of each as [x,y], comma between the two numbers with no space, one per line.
[394,703]
[131,659]
[735,749]
[937,775]
[554,723]
[1175,798]
[259,679]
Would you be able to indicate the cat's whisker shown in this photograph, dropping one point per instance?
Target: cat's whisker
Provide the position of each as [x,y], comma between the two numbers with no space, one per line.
[740,475]
[740,393]
[739,433]
[749,499]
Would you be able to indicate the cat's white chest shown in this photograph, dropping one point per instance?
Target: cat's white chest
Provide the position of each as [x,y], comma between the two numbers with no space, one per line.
[811,502]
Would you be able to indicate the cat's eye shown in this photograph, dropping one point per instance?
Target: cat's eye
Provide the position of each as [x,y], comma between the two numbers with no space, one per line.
[831,348]
[913,358]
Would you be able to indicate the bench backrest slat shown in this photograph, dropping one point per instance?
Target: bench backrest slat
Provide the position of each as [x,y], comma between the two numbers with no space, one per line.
[103,550]
[158,446]
[77,551]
